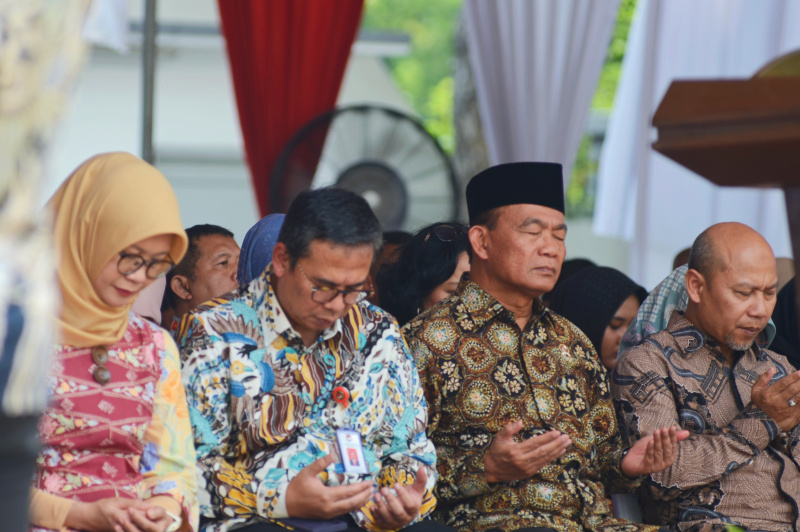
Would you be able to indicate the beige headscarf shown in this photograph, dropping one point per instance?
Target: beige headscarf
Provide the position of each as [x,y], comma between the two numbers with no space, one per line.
[110,202]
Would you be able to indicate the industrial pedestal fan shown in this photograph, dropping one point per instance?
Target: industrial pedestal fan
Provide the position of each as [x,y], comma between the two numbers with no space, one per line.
[379,153]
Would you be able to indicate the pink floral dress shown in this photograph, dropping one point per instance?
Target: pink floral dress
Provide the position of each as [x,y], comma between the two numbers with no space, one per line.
[129,438]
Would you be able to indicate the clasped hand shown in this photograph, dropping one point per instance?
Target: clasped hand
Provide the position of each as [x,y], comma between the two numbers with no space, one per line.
[780,400]
[308,497]
[117,515]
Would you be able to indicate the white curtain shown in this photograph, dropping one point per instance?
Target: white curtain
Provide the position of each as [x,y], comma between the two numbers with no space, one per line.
[107,24]
[646,198]
[536,65]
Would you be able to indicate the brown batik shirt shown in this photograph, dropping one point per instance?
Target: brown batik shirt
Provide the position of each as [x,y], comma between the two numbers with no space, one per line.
[480,373]
[737,466]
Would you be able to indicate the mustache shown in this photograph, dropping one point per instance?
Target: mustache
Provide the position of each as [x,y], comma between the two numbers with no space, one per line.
[759,325]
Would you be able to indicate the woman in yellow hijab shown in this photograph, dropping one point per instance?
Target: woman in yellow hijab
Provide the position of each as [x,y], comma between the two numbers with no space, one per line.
[117,443]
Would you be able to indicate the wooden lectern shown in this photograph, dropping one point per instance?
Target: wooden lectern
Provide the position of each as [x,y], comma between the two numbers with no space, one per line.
[739,132]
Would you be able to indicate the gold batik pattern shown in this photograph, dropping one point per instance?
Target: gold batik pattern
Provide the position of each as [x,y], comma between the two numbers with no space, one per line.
[480,372]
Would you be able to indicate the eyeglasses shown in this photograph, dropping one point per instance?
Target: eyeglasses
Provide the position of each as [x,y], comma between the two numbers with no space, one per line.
[155,268]
[100,357]
[326,294]
[447,233]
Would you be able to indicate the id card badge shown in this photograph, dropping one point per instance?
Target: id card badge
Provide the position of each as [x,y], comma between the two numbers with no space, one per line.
[352,451]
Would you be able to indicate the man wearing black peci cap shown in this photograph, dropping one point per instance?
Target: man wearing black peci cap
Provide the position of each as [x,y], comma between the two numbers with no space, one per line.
[518,404]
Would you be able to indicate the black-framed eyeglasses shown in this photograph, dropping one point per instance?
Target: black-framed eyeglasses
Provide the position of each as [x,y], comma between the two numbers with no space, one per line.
[326,294]
[447,233]
[130,263]
[100,357]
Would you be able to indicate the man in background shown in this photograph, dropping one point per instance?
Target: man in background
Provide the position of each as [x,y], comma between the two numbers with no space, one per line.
[741,402]
[207,271]
[296,361]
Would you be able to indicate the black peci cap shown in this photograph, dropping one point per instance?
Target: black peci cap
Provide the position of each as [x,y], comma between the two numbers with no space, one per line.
[514,183]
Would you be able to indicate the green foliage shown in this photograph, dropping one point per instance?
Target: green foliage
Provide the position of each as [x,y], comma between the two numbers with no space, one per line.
[579,201]
[607,85]
[439,110]
[425,75]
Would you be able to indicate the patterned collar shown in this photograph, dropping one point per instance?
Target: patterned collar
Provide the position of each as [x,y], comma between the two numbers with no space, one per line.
[691,339]
[274,320]
[483,307]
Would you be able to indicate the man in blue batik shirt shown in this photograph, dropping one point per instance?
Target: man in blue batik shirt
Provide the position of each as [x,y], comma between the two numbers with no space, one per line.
[272,373]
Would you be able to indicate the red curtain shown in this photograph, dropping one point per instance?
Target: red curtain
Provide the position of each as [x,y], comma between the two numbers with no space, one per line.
[287,60]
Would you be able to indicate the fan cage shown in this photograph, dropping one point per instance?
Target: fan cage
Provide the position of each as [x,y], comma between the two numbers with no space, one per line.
[309,142]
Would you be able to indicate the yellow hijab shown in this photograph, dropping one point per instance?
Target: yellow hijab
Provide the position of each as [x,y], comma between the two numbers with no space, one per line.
[110,202]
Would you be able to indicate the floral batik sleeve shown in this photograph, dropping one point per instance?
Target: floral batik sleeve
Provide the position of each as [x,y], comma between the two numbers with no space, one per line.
[460,467]
[610,442]
[410,450]
[225,491]
[168,460]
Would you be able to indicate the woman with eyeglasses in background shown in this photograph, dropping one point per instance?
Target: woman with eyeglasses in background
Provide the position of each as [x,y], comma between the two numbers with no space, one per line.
[117,444]
[428,269]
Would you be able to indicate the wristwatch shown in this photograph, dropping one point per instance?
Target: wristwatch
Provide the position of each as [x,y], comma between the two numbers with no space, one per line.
[177,522]
[621,458]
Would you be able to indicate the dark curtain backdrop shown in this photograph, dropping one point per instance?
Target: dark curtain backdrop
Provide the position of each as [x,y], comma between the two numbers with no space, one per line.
[287,61]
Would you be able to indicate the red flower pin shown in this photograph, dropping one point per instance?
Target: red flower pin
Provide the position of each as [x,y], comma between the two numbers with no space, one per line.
[341,396]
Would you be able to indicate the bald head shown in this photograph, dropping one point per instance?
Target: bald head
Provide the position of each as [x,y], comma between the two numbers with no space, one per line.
[731,284]
[715,248]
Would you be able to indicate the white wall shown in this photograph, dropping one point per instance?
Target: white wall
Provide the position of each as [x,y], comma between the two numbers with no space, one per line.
[197,140]
[582,243]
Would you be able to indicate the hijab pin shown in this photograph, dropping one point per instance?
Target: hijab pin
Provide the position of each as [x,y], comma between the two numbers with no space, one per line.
[341,396]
